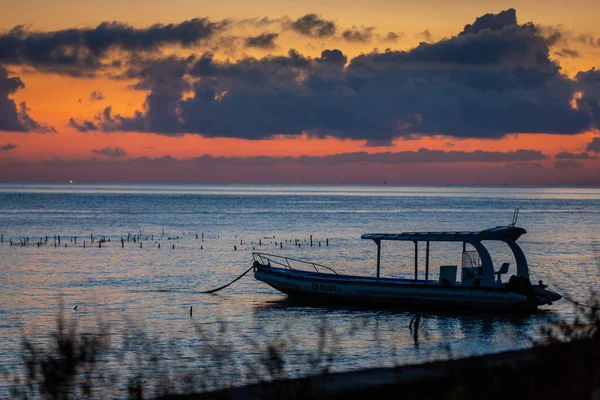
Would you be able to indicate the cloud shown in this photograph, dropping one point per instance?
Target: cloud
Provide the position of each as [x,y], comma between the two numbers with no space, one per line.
[426,35]
[567,164]
[493,79]
[8,147]
[80,52]
[588,82]
[594,145]
[262,41]
[96,96]
[408,167]
[492,22]
[82,126]
[568,53]
[30,124]
[565,155]
[9,115]
[113,152]
[13,118]
[588,40]
[166,80]
[312,25]
[423,156]
[355,34]
[392,37]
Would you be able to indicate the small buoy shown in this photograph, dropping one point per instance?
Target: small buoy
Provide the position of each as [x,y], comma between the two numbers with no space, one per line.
[191,311]
[75,308]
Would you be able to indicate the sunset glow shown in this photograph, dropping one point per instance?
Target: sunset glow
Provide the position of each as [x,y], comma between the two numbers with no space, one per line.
[83,97]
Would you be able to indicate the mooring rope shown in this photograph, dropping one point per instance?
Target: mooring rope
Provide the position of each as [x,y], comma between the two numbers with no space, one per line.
[577,303]
[233,281]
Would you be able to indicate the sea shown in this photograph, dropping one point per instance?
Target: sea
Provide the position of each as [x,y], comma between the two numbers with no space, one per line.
[133,260]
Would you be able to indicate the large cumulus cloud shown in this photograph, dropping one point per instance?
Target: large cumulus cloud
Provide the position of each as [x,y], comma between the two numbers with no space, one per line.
[494,78]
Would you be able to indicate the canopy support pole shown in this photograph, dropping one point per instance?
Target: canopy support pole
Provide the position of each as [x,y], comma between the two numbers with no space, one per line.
[378,257]
[416,258]
[427,263]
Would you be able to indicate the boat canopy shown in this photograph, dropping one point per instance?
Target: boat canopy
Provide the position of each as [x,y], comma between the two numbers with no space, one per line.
[501,233]
[508,234]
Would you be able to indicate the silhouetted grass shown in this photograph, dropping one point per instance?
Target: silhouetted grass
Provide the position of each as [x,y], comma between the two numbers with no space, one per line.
[74,364]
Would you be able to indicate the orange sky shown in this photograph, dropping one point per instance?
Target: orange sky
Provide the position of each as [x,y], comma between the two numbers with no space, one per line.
[53,99]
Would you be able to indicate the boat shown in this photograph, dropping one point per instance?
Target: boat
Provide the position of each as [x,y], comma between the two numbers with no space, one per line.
[480,286]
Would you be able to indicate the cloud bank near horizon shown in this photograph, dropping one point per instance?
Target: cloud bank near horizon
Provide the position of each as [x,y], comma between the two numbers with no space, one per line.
[434,167]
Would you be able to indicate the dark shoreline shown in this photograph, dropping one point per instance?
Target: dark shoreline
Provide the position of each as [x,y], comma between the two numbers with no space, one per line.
[556,371]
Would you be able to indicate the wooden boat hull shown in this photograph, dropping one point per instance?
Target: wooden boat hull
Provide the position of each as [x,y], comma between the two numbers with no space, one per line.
[333,288]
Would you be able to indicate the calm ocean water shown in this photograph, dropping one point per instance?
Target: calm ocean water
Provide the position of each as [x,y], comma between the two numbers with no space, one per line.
[153,288]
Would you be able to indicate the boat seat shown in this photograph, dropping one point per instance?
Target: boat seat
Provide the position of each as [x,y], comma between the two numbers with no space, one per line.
[503,270]
[448,275]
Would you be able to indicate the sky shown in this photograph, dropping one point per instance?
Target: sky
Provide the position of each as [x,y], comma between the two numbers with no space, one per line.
[282,91]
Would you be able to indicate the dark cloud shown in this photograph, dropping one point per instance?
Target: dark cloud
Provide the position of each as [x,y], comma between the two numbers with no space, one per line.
[113,152]
[82,126]
[166,81]
[9,115]
[565,155]
[12,117]
[332,57]
[392,37]
[8,147]
[493,79]
[567,164]
[554,34]
[426,35]
[568,53]
[422,156]
[80,52]
[262,22]
[96,96]
[588,39]
[594,145]
[425,156]
[30,124]
[492,22]
[355,34]
[262,41]
[313,26]
[588,83]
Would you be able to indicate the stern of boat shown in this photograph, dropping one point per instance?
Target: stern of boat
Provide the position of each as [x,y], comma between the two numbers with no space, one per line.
[545,296]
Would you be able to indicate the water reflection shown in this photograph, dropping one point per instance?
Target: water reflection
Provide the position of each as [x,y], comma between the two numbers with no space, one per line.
[460,332]
[155,286]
